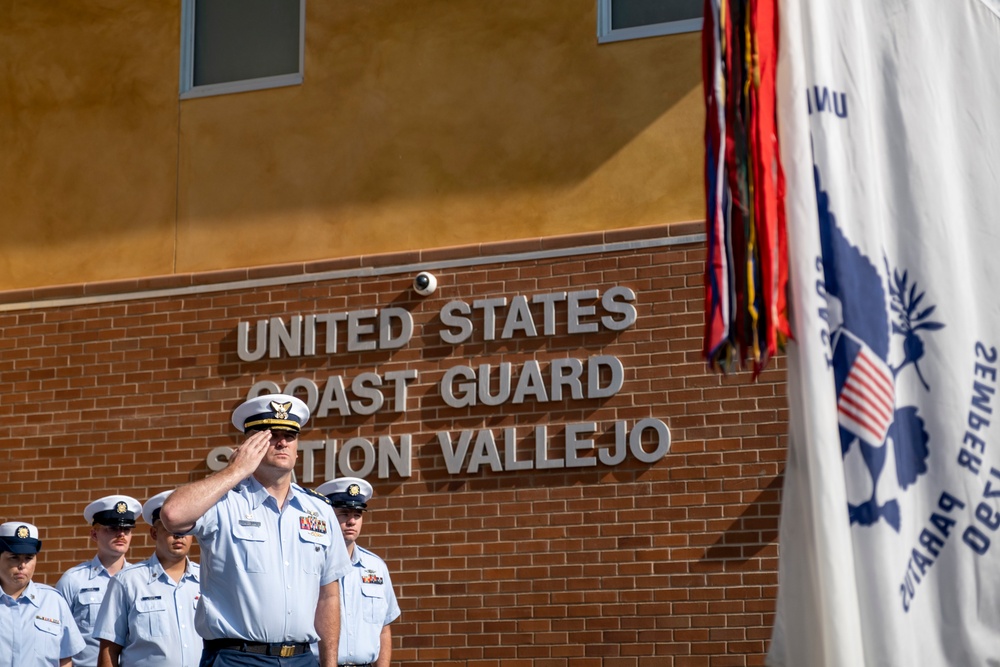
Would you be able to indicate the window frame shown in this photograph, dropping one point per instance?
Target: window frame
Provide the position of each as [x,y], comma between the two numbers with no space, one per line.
[606,34]
[187,88]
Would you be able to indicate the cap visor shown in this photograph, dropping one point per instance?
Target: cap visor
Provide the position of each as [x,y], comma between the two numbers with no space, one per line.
[349,505]
[24,548]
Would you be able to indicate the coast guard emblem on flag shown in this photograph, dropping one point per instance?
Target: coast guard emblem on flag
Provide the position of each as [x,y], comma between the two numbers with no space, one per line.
[894,370]
[863,322]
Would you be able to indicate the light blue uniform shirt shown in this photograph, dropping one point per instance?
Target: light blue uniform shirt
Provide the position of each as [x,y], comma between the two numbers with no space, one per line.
[37,629]
[83,586]
[261,567]
[151,616]
[367,604]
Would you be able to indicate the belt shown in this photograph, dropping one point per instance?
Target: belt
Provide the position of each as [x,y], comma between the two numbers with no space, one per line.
[284,650]
[355,664]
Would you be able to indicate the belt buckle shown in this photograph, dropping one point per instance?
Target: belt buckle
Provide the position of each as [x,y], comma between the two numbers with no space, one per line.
[287,650]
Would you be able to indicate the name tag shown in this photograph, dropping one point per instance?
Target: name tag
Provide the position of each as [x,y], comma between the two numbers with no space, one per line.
[252,524]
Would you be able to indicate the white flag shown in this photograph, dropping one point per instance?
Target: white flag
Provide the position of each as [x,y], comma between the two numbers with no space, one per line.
[889,116]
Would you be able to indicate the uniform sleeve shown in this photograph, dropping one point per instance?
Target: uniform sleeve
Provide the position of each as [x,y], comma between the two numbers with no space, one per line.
[338,563]
[72,641]
[392,610]
[208,524]
[66,587]
[112,619]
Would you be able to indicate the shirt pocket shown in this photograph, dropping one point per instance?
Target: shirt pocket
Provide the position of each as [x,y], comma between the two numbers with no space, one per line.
[251,545]
[47,639]
[374,603]
[89,603]
[314,549]
[151,617]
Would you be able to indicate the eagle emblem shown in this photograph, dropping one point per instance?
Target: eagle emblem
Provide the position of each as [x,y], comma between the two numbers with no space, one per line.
[281,409]
[876,432]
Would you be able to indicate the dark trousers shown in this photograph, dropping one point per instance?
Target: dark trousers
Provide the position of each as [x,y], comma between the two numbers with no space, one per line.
[230,658]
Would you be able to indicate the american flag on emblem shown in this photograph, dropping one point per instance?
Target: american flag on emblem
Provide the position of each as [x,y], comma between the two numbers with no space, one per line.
[867,397]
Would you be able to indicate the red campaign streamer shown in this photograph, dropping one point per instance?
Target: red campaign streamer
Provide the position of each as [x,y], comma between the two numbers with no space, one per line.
[746,268]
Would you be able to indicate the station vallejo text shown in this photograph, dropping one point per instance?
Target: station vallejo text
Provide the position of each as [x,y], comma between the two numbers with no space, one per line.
[555,382]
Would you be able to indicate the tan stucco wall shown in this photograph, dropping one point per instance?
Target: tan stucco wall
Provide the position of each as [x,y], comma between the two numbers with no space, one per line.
[419,125]
[88,139]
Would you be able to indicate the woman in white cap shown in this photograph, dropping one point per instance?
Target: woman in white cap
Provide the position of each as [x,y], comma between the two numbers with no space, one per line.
[39,630]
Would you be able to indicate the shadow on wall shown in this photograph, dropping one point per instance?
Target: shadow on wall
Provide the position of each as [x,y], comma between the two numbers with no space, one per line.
[754,530]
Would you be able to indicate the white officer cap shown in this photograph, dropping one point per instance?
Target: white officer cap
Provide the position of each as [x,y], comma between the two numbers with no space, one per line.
[19,537]
[151,510]
[113,511]
[351,492]
[271,411]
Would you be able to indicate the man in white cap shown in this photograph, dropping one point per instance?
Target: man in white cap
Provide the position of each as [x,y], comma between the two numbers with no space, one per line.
[37,628]
[147,617]
[368,603]
[111,520]
[271,556]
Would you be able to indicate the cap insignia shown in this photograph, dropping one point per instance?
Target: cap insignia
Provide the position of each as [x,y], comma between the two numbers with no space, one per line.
[22,532]
[121,507]
[354,490]
[281,409]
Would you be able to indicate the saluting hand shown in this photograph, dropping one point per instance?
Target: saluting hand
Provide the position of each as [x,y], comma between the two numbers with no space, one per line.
[182,508]
[247,456]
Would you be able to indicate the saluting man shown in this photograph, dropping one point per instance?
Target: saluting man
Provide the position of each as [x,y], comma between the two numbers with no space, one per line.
[147,617]
[111,520]
[36,626]
[271,555]
[367,602]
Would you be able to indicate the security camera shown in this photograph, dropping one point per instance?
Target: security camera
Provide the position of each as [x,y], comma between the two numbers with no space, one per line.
[425,283]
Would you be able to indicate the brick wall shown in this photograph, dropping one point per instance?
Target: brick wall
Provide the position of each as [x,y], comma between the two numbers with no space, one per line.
[126,387]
